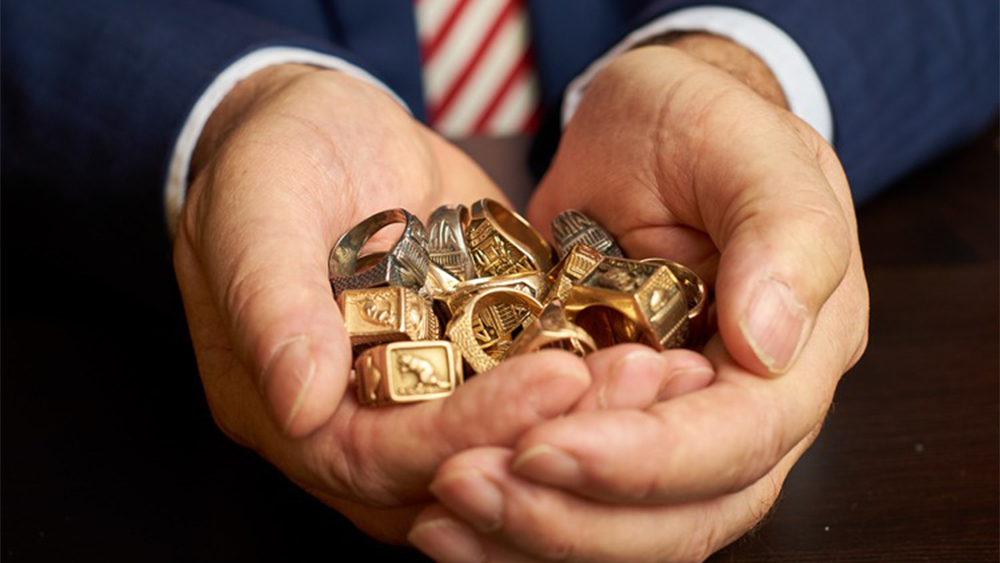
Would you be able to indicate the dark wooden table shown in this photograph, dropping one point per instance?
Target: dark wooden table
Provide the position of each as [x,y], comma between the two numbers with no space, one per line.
[109,452]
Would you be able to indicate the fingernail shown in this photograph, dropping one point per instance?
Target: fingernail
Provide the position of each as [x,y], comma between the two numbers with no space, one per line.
[472,496]
[548,464]
[293,359]
[447,541]
[633,381]
[775,325]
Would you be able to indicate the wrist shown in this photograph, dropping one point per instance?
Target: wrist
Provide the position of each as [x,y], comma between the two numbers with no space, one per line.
[729,56]
[237,104]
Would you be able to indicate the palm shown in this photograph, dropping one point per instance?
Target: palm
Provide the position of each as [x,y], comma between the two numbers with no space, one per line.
[307,162]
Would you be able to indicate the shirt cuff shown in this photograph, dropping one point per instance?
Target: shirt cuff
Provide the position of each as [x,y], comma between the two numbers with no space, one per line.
[177,174]
[789,63]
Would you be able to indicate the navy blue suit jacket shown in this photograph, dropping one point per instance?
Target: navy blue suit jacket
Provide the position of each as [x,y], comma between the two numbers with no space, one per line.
[94,93]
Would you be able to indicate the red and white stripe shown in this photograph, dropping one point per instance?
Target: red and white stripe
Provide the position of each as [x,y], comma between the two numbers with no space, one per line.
[477,67]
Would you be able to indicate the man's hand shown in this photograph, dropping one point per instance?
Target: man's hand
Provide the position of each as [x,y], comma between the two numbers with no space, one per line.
[293,159]
[680,159]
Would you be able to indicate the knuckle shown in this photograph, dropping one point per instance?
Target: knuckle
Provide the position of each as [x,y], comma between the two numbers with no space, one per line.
[827,237]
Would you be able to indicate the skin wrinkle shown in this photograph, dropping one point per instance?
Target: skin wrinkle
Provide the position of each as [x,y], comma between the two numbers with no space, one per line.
[304,386]
[275,350]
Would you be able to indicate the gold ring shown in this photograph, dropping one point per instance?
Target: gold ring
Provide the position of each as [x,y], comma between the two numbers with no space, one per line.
[386,314]
[696,293]
[573,267]
[484,327]
[502,242]
[624,300]
[407,372]
[552,330]
[534,284]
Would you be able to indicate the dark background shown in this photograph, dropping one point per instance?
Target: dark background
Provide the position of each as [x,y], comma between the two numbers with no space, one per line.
[109,451]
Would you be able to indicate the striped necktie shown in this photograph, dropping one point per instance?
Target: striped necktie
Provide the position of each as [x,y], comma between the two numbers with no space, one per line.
[477,67]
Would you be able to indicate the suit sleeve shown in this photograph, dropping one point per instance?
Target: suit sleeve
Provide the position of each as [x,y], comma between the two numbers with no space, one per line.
[94,96]
[906,79]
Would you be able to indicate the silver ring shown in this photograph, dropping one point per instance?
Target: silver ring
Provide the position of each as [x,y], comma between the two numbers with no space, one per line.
[405,265]
[571,227]
[446,245]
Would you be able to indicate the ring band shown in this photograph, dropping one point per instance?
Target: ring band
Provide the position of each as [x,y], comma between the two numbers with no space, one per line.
[404,265]
[483,328]
[572,227]
[446,245]
[534,284]
[502,242]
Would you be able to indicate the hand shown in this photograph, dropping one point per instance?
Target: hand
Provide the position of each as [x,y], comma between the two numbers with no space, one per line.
[292,159]
[682,160]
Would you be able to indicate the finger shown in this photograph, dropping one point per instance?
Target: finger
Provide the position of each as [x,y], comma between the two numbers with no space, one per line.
[445,538]
[263,245]
[489,510]
[388,455]
[785,244]
[632,376]
[700,445]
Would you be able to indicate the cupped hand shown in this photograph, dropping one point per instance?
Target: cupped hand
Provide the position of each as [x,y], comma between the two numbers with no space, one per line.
[293,158]
[680,159]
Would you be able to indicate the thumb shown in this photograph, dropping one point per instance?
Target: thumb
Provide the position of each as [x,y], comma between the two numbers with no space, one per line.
[265,256]
[785,246]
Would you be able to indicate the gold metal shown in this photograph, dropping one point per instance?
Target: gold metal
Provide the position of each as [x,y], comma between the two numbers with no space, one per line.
[501,242]
[579,262]
[552,330]
[407,372]
[485,326]
[696,293]
[386,314]
[624,300]
[534,284]
[439,281]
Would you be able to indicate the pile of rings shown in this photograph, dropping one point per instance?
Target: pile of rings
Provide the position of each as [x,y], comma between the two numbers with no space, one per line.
[477,286]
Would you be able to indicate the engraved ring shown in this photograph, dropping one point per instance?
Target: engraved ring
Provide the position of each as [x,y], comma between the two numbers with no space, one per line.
[484,327]
[407,372]
[534,284]
[696,293]
[446,244]
[502,242]
[572,227]
[404,265]
[625,300]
